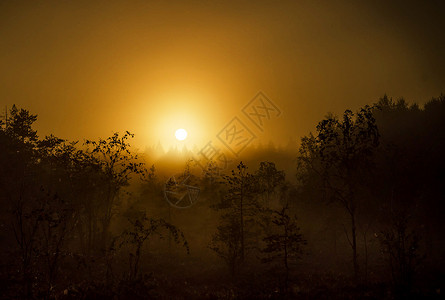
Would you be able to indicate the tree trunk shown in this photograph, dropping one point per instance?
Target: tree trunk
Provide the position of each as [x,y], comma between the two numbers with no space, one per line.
[136,261]
[354,246]
[286,265]
[242,225]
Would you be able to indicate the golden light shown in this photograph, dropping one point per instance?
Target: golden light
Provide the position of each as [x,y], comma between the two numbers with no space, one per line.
[179,109]
[181,134]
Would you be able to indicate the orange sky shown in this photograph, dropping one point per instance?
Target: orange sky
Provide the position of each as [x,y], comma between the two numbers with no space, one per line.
[89,68]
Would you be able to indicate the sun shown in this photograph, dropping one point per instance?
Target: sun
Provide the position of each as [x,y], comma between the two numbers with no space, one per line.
[181,134]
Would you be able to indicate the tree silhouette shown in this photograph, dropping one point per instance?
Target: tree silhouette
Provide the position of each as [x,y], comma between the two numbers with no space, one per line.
[141,231]
[118,163]
[19,189]
[400,244]
[57,220]
[285,243]
[269,180]
[226,242]
[239,206]
[340,154]
[20,125]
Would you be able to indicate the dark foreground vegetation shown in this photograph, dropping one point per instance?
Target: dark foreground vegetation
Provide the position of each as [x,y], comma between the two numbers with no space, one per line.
[361,216]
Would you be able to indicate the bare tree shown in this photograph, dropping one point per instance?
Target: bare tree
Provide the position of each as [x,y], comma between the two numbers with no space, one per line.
[141,230]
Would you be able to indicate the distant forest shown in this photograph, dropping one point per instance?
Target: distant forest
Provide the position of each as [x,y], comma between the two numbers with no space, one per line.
[354,211]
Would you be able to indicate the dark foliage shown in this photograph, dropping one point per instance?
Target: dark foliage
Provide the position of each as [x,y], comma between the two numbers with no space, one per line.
[89,221]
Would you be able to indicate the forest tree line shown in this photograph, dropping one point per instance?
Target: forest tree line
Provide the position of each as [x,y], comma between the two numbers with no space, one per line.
[89,219]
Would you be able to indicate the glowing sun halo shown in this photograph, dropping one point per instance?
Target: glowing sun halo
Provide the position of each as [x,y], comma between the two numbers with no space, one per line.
[181,134]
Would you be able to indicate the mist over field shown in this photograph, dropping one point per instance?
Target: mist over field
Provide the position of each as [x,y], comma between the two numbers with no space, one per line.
[222,149]
[354,210]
